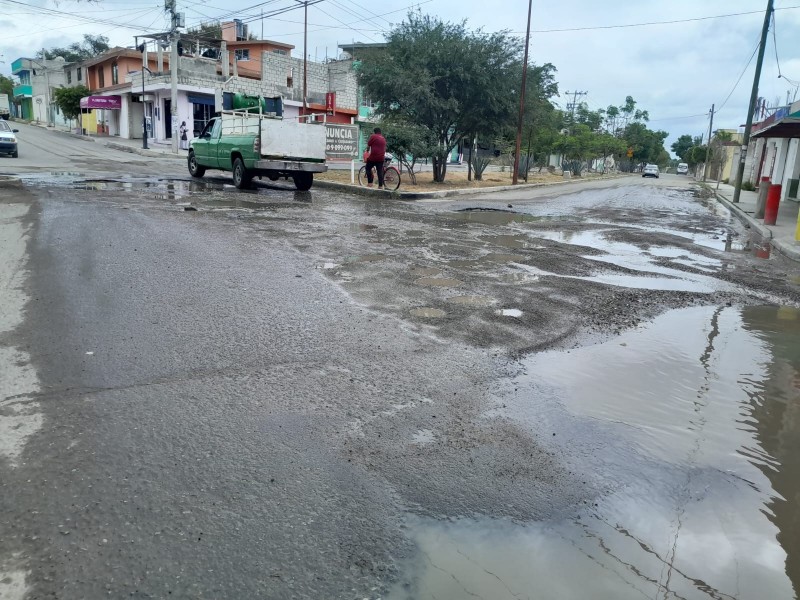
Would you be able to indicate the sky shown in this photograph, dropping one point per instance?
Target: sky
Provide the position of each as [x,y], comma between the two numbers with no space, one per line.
[675,71]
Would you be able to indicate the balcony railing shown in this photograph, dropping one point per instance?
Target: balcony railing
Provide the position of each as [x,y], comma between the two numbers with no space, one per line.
[22,90]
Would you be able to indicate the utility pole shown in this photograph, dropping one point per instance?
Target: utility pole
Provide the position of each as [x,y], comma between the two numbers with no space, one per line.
[305,56]
[574,104]
[515,175]
[752,106]
[47,87]
[708,145]
[174,37]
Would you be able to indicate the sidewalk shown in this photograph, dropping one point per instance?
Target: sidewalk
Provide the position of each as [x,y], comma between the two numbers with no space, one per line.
[781,235]
[155,149]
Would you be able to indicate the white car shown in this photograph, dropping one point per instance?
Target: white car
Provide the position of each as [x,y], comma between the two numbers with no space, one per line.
[683,168]
[8,141]
[650,171]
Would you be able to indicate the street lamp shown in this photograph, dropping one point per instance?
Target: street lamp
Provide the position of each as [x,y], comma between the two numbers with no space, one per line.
[144,111]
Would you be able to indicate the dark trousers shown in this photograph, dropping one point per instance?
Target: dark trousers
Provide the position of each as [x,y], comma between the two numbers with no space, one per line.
[378,167]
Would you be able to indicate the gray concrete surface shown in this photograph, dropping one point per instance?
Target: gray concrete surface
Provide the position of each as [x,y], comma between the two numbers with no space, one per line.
[281,394]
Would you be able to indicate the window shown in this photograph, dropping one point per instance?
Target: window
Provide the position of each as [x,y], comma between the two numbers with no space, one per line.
[114,74]
[101,77]
[202,114]
[79,73]
[69,76]
[279,51]
[242,54]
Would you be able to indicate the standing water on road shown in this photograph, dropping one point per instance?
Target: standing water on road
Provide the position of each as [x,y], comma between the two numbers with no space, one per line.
[689,428]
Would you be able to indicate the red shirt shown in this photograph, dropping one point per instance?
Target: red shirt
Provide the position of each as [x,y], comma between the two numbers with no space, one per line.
[377,147]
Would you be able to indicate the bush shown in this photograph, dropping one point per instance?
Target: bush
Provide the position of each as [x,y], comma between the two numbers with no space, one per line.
[575,166]
[748,187]
[479,164]
[726,181]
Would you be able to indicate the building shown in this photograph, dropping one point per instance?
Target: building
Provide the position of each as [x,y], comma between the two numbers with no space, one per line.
[33,96]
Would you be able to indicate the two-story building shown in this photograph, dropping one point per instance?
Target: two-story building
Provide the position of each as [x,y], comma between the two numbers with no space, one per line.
[33,96]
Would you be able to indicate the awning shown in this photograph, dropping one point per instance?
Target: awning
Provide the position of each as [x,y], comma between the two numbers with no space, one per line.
[107,102]
[788,127]
[197,99]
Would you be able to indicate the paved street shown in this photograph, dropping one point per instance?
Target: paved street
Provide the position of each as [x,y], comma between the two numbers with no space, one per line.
[578,391]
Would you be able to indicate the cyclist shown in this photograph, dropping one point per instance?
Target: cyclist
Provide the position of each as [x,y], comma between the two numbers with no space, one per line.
[376,146]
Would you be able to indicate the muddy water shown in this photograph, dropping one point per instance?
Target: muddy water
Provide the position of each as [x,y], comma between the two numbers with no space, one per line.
[689,428]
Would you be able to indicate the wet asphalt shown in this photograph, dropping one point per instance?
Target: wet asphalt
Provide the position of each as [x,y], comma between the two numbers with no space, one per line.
[304,395]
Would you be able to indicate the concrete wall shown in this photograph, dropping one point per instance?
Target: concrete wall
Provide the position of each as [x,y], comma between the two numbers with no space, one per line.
[336,76]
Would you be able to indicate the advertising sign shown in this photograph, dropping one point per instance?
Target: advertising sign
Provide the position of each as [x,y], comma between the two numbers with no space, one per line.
[107,102]
[341,141]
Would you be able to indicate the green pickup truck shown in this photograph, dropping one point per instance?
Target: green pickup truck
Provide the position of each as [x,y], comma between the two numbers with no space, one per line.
[256,145]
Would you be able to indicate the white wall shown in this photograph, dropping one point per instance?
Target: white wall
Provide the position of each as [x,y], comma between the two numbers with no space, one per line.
[792,164]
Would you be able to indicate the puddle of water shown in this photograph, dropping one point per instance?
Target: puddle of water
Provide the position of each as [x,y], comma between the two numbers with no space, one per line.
[512,241]
[424,271]
[427,313]
[519,278]
[464,264]
[509,312]
[502,258]
[366,258]
[472,300]
[691,426]
[493,217]
[438,282]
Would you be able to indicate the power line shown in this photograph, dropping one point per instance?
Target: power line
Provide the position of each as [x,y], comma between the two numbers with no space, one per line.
[735,85]
[649,23]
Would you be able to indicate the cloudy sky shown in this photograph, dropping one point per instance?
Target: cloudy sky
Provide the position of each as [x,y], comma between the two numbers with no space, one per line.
[674,70]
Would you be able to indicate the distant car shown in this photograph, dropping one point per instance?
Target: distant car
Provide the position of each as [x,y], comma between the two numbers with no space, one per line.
[8,141]
[683,168]
[650,171]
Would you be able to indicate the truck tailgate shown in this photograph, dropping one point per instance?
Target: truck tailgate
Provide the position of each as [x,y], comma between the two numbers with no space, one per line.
[291,139]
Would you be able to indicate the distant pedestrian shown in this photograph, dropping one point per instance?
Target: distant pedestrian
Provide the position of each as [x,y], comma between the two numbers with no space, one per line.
[376,146]
[184,138]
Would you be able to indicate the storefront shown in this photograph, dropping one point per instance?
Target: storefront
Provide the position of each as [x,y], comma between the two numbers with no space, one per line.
[202,111]
[100,115]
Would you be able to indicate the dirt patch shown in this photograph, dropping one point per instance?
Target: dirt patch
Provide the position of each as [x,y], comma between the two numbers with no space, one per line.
[453,181]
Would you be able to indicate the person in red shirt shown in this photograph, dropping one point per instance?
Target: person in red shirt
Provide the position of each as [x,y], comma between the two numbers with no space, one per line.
[376,146]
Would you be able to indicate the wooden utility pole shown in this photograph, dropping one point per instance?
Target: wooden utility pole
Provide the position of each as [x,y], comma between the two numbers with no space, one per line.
[751,108]
[515,175]
[708,144]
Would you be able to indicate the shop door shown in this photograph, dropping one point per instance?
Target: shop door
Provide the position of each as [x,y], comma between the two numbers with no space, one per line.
[168,119]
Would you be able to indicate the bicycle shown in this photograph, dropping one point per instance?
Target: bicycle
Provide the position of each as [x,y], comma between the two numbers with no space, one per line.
[391,175]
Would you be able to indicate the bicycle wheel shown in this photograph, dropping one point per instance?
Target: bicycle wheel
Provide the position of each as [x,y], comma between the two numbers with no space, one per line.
[391,178]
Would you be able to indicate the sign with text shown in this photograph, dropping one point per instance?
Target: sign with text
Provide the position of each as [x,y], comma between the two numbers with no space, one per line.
[341,141]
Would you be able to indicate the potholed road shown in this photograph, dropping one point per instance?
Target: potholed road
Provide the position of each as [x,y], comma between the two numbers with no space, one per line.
[588,393]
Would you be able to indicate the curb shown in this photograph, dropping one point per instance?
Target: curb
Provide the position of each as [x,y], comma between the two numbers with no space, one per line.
[791,252]
[356,189]
[142,151]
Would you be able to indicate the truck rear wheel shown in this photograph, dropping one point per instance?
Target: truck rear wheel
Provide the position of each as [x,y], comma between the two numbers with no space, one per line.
[303,181]
[241,176]
[195,170]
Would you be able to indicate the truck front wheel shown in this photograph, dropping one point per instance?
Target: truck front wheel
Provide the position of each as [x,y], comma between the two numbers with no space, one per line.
[195,170]
[241,176]
[303,181]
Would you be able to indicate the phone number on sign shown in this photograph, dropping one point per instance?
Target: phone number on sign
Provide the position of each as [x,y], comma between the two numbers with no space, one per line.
[341,148]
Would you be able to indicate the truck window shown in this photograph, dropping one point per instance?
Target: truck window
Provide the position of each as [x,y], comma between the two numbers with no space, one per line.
[211,130]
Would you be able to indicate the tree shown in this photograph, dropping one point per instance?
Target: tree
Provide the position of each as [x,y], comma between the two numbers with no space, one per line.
[440,76]
[645,143]
[408,142]
[7,86]
[682,145]
[68,100]
[91,46]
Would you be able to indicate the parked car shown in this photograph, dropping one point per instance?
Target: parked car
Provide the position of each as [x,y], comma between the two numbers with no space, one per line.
[650,171]
[8,141]
[683,168]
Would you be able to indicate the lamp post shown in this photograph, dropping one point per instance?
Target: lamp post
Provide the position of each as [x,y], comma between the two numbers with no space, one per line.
[144,111]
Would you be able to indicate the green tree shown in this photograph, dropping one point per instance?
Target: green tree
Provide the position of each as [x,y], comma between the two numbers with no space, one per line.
[91,46]
[542,122]
[445,78]
[408,142]
[68,100]
[7,86]
[646,143]
[682,145]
